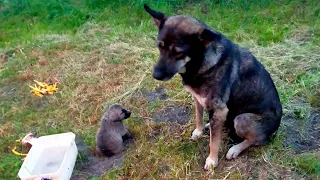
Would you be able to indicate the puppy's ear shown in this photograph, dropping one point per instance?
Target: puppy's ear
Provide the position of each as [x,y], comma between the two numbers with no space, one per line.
[208,36]
[158,17]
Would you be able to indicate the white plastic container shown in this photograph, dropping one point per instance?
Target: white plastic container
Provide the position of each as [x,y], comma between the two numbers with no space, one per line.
[50,157]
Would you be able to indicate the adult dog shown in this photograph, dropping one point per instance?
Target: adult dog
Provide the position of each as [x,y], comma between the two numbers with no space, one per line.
[225,80]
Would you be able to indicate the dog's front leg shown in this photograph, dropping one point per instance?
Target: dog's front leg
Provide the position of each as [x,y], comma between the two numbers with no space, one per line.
[217,117]
[199,120]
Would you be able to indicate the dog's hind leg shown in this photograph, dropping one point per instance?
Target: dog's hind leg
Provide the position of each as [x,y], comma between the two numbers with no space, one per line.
[199,121]
[247,126]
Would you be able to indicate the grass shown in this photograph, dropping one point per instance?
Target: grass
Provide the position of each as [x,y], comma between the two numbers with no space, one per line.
[102,52]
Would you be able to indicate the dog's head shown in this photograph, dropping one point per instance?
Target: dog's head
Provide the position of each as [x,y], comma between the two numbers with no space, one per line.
[182,41]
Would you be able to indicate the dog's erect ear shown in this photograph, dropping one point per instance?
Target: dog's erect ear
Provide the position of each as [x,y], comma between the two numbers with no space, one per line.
[158,17]
[208,36]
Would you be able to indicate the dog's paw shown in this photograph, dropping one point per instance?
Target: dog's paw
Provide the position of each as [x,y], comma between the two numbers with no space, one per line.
[211,163]
[196,134]
[233,152]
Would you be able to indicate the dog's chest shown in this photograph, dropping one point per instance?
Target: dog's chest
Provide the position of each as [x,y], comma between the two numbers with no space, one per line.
[201,100]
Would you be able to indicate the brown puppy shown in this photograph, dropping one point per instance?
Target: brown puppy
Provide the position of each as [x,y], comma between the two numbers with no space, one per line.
[225,79]
[112,132]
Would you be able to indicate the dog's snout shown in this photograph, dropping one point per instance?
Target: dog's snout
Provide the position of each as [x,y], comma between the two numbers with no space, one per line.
[158,74]
[161,74]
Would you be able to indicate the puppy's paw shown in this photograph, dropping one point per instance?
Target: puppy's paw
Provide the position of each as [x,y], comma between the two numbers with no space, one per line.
[127,136]
[233,152]
[211,163]
[196,134]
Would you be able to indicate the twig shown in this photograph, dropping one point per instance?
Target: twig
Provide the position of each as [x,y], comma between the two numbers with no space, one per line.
[130,90]
[227,176]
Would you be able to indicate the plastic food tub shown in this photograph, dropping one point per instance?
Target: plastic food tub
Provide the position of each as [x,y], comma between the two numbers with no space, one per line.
[50,158]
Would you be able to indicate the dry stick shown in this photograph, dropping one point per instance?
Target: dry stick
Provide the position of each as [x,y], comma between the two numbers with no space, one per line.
[1,130]
[227,176]
[266,159]
[176,100]
[130,90]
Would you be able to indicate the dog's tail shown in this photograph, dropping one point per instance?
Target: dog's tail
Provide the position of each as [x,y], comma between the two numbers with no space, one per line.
[153,13]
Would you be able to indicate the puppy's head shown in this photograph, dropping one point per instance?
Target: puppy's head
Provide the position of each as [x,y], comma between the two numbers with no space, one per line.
[116,113]
[181,40]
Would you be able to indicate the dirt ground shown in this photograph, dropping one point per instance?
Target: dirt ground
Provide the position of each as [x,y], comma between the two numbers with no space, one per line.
[90,165]
[302,136]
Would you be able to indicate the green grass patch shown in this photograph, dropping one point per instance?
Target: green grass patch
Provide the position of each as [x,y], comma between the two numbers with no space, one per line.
[309,164]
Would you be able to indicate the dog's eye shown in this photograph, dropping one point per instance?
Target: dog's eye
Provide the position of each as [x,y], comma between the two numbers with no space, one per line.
[176,51]
[160,44]
[180,56]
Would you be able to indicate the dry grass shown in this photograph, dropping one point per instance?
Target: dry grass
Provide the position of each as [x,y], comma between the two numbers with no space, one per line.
[6,129]
[294,66]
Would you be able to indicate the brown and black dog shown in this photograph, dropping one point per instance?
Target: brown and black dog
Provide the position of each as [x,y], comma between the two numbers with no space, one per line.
[225,80]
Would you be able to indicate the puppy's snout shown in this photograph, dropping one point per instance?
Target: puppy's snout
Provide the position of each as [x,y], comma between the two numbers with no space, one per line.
[127,114]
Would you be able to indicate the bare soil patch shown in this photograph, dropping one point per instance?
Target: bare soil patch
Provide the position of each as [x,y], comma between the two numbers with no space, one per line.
[90,165]
[158,93]
[302,136]
[173,114]
[7,91]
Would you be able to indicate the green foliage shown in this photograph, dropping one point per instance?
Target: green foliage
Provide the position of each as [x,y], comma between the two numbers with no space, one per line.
[309,164]
[266,22]
[9,165]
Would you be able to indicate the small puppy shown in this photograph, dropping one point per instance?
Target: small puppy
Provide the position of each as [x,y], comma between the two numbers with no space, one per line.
[112,132]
